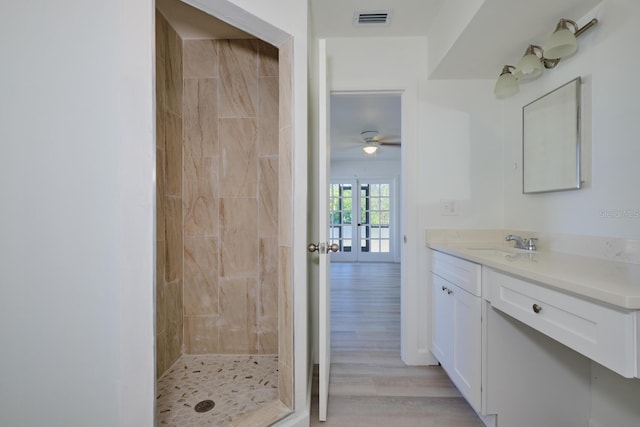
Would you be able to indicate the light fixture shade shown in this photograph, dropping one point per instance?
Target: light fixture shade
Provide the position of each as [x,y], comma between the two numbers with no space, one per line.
[370,148]
[562,43]
[529,67]
[506,85]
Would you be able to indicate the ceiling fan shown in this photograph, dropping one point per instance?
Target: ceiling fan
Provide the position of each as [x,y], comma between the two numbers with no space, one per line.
[374,140]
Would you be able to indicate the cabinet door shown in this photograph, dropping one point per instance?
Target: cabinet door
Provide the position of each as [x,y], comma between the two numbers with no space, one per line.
[465,371]
[442,325]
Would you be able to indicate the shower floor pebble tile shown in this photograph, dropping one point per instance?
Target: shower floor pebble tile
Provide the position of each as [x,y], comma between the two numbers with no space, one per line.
[238,384]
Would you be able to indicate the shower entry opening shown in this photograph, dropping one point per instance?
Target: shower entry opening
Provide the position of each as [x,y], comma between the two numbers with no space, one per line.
[362,220]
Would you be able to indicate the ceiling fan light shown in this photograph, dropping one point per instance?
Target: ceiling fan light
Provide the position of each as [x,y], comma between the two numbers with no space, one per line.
[562,42]
[370,148]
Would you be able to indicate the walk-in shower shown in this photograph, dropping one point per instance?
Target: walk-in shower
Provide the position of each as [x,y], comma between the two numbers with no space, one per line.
[223,323]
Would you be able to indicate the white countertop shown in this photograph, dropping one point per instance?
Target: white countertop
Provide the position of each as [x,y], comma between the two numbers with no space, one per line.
[611,282]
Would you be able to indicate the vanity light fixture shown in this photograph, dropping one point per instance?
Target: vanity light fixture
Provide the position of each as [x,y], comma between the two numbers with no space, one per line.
[530,66]
[563,41]
[507,84]
[560,44]
[370,147]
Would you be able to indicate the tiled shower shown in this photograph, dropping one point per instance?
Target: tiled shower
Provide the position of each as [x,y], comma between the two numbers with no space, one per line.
[223,220]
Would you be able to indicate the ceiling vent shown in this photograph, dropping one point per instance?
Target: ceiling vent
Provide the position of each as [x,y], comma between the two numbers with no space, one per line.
[372,17]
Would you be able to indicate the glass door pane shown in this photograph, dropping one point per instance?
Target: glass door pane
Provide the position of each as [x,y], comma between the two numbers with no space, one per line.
[375,218]
[340,216]
[361,220]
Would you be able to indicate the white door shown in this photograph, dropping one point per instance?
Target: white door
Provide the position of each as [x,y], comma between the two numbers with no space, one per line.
[343,217]
[323,203]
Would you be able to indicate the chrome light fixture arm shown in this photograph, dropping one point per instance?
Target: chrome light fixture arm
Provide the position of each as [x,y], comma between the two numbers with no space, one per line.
[577,31]
[586,27]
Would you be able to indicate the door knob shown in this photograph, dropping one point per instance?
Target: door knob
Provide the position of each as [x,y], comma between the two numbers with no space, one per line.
[323,248]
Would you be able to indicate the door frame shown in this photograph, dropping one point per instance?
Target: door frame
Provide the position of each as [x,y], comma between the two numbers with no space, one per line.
[414,347]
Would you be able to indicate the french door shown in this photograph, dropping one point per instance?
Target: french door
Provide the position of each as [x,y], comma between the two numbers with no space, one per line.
[362,219]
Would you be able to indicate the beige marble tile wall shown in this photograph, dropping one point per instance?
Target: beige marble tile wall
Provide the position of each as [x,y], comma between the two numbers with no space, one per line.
[285,224]
[169,234]
[230,203]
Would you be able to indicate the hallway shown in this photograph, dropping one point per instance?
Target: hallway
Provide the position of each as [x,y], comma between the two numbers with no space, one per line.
[370,386]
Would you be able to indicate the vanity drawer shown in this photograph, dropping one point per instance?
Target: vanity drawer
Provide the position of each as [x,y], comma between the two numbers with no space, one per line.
[601,333]
[462,273]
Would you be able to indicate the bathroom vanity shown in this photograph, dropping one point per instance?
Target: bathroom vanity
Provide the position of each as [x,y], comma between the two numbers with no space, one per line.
[538,338]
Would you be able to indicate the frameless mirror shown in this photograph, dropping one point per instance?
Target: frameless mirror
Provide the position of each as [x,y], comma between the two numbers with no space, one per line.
[551,141]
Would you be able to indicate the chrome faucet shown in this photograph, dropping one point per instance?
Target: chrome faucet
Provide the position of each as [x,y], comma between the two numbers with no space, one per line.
[529,245]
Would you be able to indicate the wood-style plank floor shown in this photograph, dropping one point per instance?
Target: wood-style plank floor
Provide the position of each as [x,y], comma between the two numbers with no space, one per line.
[370,385]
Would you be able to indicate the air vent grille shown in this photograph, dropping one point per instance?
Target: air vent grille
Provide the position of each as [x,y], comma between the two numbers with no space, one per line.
[374,17]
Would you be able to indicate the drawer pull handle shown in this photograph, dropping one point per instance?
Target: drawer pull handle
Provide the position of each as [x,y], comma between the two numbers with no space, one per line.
[449,291]
[444,288]
[536,308]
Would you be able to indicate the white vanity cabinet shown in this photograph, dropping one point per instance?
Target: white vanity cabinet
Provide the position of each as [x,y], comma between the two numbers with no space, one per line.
[602,333]
[553,339]
[457,332]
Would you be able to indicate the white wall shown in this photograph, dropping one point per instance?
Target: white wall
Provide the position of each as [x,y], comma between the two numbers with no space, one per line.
[610,128]
[610,134]
[452,20]
[365,168]
[460,157]
[76,223]
[77,217]
[452,148]
[460,152]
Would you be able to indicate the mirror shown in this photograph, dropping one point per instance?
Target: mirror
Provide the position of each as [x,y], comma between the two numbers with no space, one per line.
[551,141]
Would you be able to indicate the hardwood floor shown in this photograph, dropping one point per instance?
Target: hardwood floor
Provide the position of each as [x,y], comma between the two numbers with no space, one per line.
[369,385]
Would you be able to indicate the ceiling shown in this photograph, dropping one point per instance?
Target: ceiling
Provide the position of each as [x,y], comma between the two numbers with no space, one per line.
[352,114]
[497,33]
[334,18]
[191,23]
[490,38]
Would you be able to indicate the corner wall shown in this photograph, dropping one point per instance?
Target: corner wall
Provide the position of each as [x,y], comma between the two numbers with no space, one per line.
[609,203]
[77,218]
[169,233]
